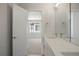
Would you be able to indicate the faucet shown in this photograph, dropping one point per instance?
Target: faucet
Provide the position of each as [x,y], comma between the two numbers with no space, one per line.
[61,35]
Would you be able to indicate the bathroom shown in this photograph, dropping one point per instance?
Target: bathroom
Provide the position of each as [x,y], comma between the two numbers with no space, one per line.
[39,29]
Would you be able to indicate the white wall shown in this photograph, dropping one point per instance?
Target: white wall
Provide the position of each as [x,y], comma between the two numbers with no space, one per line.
[5,30]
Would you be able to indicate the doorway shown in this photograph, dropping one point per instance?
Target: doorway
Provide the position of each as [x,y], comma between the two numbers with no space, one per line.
[34,33]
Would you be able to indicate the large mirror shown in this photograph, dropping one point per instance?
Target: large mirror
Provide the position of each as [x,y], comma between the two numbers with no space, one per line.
[62,22]
[66,22]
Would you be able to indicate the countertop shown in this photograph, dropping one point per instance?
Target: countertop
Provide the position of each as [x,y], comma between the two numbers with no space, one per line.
[59,46]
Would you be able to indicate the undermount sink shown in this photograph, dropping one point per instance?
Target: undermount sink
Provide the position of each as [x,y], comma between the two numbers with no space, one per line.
[70,53]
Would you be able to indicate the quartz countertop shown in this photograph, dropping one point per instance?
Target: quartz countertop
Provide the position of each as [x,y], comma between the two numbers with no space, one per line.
[59,46]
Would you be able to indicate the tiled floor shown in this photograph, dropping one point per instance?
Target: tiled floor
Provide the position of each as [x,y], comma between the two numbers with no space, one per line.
[35,46]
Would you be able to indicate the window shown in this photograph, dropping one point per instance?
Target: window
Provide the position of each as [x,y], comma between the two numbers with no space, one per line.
[72,24]
[31,27]
[35,27]
[34,19]
[34,15]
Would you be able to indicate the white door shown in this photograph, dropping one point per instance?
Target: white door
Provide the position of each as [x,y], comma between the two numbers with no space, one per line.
[19,31]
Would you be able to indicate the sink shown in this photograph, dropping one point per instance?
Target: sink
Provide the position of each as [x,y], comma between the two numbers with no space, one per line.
[70,53]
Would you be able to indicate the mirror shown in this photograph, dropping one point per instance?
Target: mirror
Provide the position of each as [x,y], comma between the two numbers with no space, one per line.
[62,22]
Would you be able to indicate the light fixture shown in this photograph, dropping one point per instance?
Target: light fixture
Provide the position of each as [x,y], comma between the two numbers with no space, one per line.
[57,4]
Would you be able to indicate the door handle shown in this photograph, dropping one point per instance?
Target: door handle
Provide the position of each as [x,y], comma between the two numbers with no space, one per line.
[14,37]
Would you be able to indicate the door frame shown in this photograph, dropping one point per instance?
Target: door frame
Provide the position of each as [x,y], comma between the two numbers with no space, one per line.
[42,30]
